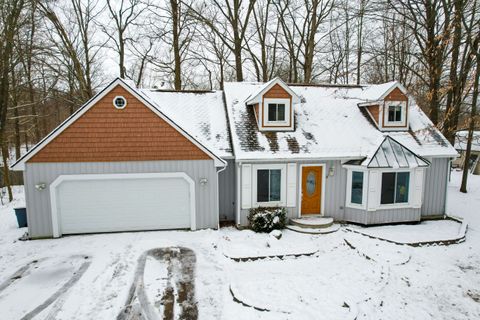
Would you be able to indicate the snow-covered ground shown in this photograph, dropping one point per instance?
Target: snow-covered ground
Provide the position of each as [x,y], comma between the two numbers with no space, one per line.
[348,276]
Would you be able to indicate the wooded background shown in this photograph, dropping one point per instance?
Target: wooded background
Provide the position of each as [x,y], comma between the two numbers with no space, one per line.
[55,55]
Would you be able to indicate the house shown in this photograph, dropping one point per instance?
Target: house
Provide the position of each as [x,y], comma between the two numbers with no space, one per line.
[139,159]
[461,147]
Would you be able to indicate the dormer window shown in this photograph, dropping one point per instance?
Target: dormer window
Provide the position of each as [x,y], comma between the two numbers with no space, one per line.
[387,105]
[394,113]
[277,113]
[273,105]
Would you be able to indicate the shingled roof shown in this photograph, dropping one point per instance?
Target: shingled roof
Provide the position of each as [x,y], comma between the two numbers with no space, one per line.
[328,125]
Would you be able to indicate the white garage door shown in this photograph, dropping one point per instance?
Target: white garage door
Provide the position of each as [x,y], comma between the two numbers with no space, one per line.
[104,203]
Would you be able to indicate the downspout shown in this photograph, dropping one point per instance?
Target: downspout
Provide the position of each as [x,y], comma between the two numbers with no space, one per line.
[238,177]
[449,172]
[218,195]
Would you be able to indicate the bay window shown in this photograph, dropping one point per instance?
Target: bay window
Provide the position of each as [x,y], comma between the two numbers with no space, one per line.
[357,187]
[395,187]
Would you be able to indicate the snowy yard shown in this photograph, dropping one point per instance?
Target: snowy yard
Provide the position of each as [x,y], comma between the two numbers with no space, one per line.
[343,275]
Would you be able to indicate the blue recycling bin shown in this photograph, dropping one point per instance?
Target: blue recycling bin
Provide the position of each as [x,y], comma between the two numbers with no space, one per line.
[21,214]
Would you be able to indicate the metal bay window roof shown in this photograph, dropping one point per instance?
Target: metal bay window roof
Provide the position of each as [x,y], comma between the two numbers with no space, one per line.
[392,154]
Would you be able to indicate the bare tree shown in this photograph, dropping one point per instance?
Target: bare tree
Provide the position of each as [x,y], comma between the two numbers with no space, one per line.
[228,19]
[300,22]
[77,50]
[473,37]
[430,25]
[10,20]
[125,14]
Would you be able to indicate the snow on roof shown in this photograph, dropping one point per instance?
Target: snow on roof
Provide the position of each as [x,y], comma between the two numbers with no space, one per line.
[375,92]
[328,124]
[461,140]
[200,113]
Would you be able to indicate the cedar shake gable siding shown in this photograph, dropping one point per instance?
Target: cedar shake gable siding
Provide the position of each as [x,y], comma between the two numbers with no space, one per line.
[276,92]
[104,134]
[374,112]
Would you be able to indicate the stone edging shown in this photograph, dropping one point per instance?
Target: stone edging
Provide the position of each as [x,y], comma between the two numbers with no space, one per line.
[279,256]
[461,236]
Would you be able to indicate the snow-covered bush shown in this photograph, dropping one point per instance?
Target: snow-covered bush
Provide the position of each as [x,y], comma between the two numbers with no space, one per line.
[263,219]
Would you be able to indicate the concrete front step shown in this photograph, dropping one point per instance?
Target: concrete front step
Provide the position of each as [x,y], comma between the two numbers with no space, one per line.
[312,222]
[330,229]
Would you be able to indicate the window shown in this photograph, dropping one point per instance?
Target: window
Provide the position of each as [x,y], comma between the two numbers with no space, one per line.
[357,187]
[119,102]
[276,112]
[268,185]
[394,113]
[395,187]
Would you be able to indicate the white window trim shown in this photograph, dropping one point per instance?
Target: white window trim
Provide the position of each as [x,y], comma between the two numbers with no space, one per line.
[388,104]
[115,105]
[288,111]
[349,202]
[407,204]
[300,182]
[283,185]
[373,203]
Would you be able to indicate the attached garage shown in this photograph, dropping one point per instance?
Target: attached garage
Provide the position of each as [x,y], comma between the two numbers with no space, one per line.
[122,202]
[120,164]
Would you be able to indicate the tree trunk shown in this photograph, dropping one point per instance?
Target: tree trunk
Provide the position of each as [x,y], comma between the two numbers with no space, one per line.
[453,107]
[121,53]
[238,57]
[176,44]
[17,133]
[6,171]
[471,127]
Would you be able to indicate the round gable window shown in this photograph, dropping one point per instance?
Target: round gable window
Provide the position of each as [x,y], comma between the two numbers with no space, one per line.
[120,102]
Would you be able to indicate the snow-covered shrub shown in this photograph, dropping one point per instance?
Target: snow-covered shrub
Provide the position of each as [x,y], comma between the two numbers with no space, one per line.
[263,219]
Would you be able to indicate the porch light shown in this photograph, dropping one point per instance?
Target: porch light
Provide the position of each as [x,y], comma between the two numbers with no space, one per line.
[203,181]
[331,171]
[40,186]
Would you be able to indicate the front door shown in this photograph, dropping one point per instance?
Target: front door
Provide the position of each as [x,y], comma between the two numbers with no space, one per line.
[311,189]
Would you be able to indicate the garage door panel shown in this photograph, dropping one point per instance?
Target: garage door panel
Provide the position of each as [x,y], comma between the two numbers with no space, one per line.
[123,204]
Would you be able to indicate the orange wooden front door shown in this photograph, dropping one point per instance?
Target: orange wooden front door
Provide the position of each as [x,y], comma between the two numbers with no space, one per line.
[311,189]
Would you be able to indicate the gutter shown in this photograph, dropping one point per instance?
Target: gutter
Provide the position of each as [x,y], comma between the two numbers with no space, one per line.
[274,159]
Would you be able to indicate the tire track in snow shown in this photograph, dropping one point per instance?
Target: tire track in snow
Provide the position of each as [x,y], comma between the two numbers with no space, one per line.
[181,265]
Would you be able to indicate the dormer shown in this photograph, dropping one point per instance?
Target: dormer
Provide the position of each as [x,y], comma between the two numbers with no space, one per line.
[387,105]
[273,105]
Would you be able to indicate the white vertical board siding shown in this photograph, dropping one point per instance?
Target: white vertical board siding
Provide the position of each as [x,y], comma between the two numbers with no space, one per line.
[382,216]
[435,187]
[417,185]
[38,202]
[227,186]
[334,187]
[246,186]
[374,178]
[291,184]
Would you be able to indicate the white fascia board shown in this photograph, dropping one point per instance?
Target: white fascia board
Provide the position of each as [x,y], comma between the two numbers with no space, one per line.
[370,103]
[20,163]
